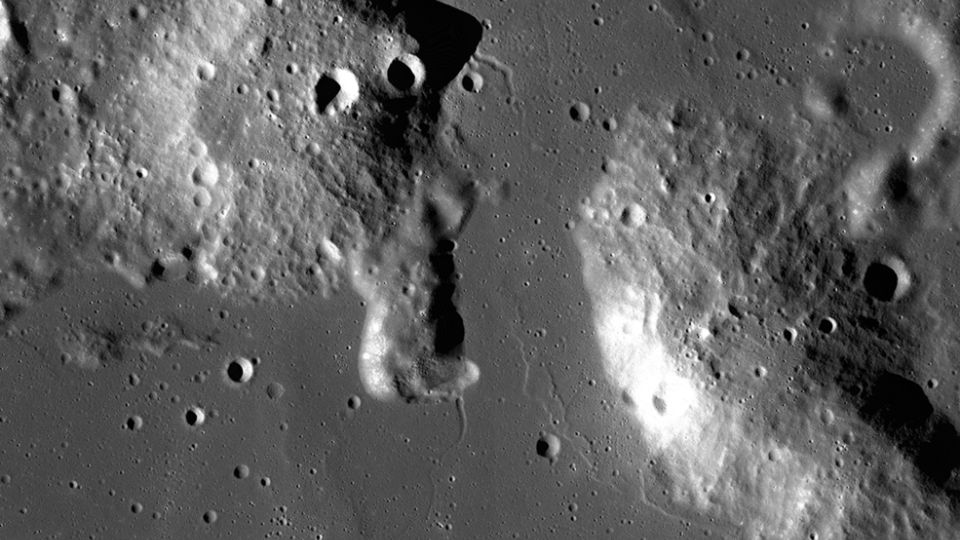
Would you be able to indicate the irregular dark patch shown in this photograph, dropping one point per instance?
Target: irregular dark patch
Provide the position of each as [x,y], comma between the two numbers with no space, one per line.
[839,98]
[442,264]
[10,309]
[447,38]
[449,331]
[900,409]
[267,46]
[157,269]
[757,201]
[898,178]
[18,28]
[895,405]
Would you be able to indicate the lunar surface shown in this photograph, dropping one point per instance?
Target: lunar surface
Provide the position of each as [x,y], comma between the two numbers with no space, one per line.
[481,269]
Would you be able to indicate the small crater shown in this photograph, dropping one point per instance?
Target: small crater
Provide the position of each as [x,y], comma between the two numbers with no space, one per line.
[548,446]
[472,82]
[194,416]
[336,91]
[134,422]
[886,280]
[241,471]
[353,402]
[580,112]
[275,390]
[406,73]
[827,325]
[239,370]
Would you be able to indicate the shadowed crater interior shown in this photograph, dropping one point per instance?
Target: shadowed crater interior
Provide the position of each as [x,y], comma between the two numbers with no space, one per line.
[325,91]
[880,281]
[400,75]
